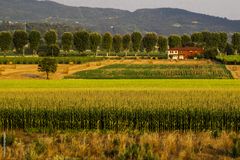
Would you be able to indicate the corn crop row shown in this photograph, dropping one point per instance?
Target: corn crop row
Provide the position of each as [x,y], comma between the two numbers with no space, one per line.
[121,119]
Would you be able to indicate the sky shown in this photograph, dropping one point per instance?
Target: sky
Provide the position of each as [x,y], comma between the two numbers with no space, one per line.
[221,8]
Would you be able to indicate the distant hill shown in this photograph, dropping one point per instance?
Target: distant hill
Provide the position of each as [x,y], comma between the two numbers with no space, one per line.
[163,20]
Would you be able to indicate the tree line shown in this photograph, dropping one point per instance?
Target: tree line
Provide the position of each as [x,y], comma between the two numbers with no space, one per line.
[135,42]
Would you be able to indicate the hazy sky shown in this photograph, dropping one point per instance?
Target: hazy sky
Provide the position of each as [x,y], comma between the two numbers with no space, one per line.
[222,8]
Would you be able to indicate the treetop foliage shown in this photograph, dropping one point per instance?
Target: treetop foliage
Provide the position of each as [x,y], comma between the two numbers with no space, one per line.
[51,37]
[136,38]
[95,41]
[107,42]
[81,40]
[67,41]
[150,41]
[20,39]
[34,40]
[5,41]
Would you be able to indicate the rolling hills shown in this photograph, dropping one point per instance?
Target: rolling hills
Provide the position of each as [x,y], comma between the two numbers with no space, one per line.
[163,20]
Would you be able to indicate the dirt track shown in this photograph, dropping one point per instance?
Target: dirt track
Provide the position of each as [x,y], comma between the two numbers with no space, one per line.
[235,70]
[31,71]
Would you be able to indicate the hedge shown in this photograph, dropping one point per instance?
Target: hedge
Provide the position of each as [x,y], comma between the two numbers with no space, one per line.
[35,60]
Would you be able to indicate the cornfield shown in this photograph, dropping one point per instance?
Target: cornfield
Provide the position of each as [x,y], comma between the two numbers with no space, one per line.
[120,110]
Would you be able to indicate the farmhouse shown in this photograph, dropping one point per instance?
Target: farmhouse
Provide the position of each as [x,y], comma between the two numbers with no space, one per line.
[184,52]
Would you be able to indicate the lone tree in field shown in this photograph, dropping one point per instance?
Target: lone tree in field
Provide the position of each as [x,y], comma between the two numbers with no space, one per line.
[126,42]
[136,38]
[162,44]
[20,39]
[117,43]
[67,41]
[34,41]
[95,41]
[107,41]
[186,40]
[81,41]
[50,37]
[5,41]
[236,42]
[47,65]
[174,41]
[149,42]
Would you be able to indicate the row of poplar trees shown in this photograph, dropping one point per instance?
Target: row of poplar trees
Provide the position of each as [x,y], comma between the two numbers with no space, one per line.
[83,40]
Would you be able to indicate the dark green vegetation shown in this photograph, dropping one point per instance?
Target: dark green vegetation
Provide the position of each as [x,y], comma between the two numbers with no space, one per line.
[154,71]
[165,20]
[60,60]
[47,65]
[121,109]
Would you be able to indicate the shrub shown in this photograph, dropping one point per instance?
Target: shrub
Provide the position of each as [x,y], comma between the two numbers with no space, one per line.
[211,53]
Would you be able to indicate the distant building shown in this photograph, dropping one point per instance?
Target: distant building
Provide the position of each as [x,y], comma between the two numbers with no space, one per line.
[184,52]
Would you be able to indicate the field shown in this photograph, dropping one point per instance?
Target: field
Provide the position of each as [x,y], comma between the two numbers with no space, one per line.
[122,145]
[121,119]
[147,105]
[156,71]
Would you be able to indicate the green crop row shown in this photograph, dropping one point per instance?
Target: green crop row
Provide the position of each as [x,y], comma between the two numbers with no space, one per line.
[152,71]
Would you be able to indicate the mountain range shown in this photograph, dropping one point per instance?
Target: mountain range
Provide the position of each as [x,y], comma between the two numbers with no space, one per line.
[162,20]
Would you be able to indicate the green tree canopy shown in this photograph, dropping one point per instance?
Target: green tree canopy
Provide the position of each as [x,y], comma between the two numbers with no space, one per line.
[162,44]
[47,65]
[197,38]
[34,40]
[174,41]
[136,39]
[186,40]
[81,40]
[211,40]
[95,41]
[5,41]
[117,43]
[50,37]
[107,41]
[236,41]
[67,41]
[20,39]
[222,42]
[126,42]
[150,41]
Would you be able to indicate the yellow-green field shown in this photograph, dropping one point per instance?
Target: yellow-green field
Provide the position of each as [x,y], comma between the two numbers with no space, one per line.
[121,84]
[151,105]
